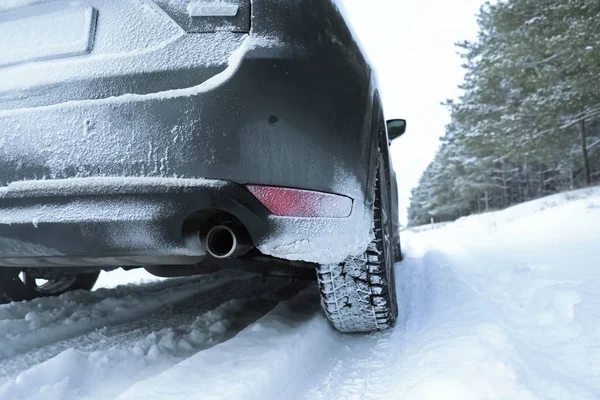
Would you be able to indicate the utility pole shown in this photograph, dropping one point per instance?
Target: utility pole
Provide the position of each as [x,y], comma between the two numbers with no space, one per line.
[584,152]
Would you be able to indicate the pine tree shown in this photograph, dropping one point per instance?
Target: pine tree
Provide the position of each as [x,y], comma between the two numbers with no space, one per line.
[528,121]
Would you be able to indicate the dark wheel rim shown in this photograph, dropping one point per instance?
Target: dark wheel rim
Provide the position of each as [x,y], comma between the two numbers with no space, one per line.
[387,235]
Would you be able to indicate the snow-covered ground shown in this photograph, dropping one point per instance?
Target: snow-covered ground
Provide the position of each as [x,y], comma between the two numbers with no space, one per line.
[504,305]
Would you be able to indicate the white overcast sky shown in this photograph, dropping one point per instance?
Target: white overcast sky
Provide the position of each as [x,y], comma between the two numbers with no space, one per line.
[411,44]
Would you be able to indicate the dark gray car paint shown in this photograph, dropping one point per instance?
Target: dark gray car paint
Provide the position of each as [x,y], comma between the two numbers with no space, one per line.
[298,116]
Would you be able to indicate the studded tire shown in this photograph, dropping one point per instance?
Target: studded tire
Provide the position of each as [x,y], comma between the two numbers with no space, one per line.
[359,295]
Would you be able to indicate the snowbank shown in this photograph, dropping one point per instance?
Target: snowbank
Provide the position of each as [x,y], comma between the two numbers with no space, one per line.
[487,223]
[517,315]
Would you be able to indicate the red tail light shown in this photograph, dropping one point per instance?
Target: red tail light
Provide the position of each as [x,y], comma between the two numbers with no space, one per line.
[288,202]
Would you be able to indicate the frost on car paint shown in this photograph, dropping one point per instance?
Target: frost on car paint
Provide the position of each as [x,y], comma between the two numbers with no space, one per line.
[64,33]
[207,8]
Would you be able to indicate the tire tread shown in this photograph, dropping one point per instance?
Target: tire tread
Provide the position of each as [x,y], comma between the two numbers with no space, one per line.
[355,294]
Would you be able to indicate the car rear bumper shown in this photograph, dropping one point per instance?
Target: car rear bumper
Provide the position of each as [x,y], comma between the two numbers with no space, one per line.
[261,121]
[286,105]
[150,221]
[120,221]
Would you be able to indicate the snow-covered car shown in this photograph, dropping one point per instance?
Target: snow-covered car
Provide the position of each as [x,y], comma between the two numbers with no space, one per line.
[188,136]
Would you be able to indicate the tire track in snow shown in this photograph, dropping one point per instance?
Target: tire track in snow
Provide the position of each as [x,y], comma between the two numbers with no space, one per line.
[82,298]
[267,360]
[30,325]
[293,353]
[290,353]
[107,336]
[102,364]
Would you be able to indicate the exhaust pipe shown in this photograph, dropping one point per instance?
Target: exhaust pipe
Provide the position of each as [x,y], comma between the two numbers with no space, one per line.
[227,241]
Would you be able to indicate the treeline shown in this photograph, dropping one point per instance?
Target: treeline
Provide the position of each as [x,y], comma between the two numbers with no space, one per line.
[528,122]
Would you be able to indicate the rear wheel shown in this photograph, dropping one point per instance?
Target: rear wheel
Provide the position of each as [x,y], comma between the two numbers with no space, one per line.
[18,285]
[359,295]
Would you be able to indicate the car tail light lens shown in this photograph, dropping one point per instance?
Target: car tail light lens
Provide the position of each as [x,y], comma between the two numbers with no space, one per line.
[288,202]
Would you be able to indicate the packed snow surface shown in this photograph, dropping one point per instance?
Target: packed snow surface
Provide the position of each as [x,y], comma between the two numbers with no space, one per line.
[503,305]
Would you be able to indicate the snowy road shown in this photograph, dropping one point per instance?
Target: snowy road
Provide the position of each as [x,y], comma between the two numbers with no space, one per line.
[96,345]
[498,306]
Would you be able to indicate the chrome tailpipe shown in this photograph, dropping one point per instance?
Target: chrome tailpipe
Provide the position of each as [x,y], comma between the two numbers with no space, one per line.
[227,241]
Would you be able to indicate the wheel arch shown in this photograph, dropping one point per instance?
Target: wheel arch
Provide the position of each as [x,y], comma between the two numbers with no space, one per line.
[378,137]
[380,140]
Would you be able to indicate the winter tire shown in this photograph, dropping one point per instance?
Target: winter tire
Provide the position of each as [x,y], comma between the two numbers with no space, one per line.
[359,295]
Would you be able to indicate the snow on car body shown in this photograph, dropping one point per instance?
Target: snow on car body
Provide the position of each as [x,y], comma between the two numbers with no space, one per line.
[130,130]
